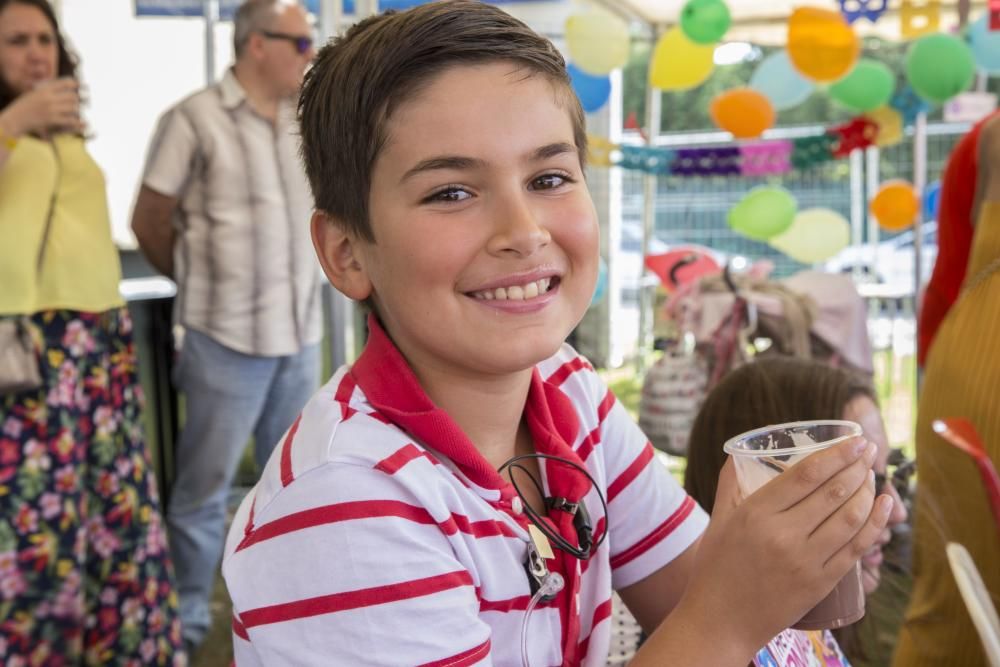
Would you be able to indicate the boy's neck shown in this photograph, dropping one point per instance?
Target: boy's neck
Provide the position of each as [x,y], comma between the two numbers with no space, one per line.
[488,411]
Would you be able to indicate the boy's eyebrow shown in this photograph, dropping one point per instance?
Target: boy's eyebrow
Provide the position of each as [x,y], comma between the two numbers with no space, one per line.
[552,150]
[458,162]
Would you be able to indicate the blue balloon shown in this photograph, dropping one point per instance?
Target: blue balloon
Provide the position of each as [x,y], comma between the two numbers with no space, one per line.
[593,91]
[985,45]
[932,200]
[777,80]
[601,288]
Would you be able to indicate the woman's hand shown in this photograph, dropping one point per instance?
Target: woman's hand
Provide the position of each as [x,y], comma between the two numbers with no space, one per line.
[765,562]
[52,105]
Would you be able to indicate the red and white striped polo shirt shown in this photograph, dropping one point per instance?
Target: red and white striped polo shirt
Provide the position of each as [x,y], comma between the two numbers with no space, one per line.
[378,535]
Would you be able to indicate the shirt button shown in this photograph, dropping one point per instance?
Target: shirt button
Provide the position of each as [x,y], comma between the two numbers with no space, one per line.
[516,506]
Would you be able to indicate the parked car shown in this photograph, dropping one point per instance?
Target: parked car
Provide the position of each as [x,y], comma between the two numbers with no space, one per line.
[890,262]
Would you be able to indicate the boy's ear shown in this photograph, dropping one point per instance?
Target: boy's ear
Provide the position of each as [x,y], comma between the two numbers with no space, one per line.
[340,256]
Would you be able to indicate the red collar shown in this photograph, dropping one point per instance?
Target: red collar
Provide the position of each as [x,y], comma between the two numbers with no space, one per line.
[392,388]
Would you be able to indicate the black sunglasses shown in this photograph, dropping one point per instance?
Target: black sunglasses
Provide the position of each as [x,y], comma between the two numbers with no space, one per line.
[302,44]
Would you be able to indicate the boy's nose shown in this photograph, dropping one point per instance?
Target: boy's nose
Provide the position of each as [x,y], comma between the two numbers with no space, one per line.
[518,230]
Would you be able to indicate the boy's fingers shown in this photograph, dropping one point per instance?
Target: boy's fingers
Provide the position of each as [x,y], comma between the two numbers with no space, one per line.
[847,521]
[850,553]
[803,478]
[834,494]
[727,493]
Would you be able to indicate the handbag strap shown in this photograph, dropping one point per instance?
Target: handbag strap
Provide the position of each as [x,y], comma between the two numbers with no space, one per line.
[51,213]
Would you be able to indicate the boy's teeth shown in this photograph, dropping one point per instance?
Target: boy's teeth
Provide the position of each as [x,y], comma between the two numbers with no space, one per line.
[516,292]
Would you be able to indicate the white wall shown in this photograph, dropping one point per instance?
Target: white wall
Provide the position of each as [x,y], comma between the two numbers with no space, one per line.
[133,68]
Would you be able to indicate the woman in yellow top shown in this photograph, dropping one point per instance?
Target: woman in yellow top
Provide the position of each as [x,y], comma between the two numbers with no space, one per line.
[962,380]
[84,572]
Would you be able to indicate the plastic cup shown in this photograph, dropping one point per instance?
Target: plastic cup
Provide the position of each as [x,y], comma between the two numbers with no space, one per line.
[763,454]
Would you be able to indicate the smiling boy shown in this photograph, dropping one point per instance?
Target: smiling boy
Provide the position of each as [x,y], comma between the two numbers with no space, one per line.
[445,151]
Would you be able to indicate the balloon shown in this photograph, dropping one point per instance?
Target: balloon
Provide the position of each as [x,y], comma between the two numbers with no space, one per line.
[890,125]
[868,86]
[763,213]
[599,150]
[985,45]
[816,234]
[895,206]
[820,44]
[705,21]
[932,200]
[601,287]
[778,81]
[742,111]
[678,63]
[593,91]
[939,67]
[598,41]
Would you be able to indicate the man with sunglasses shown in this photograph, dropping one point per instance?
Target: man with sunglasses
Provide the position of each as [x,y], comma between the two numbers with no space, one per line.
[224,210]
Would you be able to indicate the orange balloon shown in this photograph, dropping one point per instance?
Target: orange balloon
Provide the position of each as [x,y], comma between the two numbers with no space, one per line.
[742,111]
[821,45]
[895,206]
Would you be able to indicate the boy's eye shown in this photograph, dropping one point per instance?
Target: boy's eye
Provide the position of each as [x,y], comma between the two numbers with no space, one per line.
[449,194]
[549,181]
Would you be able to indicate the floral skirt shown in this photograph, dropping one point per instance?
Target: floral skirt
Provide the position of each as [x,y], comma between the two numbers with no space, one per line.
[85,574]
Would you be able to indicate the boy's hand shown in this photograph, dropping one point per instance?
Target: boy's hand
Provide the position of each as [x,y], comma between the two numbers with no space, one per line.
[765,562]
[53,104]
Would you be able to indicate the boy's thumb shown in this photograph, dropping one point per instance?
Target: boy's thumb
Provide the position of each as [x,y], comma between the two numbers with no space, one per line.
[727,493]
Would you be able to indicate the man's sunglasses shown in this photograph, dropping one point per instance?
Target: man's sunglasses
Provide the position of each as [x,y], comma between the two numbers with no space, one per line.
[302,44]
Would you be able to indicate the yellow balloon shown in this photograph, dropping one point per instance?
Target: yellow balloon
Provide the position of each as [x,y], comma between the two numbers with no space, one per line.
[598,41]
[678,63]
[599,151]
[816,234]
[890,125]
[821,45]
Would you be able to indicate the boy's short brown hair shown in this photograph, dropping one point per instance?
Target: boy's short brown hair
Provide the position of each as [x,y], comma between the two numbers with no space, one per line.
[357,81]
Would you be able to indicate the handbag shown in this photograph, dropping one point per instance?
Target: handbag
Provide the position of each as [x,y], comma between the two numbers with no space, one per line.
[19,367]
[18,360]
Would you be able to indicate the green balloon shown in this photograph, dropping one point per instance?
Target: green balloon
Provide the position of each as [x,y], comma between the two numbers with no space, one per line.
[705,21]
[763,213]
[939,67]
[867,87]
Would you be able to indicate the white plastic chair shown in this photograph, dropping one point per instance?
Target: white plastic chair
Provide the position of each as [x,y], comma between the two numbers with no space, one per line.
[977,600]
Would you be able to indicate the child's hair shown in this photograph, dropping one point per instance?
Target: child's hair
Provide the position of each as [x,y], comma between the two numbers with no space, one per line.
[771,390]
[358,80]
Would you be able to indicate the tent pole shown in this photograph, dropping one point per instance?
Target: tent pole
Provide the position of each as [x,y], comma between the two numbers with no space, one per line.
[211,18]
[331,15]
[919,184]
[647,299]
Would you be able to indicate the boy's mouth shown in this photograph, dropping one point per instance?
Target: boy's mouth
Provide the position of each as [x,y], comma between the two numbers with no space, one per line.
[528,290]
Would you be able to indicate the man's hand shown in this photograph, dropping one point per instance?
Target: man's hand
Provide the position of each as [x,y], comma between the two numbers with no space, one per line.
[153,227]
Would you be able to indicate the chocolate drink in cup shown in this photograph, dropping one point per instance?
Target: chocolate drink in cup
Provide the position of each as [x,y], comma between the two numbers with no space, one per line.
[761,455]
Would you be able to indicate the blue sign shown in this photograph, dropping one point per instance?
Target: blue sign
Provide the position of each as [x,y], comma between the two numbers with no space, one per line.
[227,8]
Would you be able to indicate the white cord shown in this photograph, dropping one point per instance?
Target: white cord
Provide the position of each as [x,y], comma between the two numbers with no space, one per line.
[552,584]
